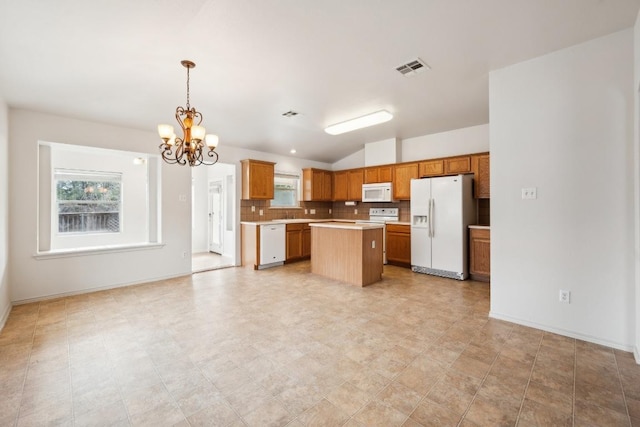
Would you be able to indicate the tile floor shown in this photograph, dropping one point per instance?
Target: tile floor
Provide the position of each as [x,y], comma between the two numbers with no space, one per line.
[205,261]
[237,347]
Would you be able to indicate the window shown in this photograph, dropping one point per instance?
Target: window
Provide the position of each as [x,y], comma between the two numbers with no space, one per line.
[95,199]
[88,202]
[285,190]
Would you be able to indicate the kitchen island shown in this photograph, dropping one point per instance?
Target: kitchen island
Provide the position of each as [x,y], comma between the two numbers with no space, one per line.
[348,252]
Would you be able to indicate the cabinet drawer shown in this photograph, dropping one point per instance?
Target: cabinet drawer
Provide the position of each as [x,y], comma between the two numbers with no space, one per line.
[295,227]
[399,228]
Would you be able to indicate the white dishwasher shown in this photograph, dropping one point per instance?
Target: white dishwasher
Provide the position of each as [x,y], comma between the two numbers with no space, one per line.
[272,245]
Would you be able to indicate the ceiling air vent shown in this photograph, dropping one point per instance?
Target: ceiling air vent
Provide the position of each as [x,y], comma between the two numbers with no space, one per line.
[412,68]
[290,113]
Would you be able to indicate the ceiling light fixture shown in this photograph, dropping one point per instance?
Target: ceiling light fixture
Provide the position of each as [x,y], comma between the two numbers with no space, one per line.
[359,122]
[189,148]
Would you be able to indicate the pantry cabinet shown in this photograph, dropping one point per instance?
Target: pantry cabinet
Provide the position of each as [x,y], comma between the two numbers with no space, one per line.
[257,179]
[480,165]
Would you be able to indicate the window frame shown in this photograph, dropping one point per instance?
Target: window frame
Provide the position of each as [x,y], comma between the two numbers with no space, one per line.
[296,191]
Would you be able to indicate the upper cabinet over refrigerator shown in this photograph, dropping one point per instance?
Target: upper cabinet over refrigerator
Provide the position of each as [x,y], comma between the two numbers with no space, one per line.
[441,210]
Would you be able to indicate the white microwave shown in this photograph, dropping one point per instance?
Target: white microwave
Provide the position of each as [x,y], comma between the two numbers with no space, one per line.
[380,192]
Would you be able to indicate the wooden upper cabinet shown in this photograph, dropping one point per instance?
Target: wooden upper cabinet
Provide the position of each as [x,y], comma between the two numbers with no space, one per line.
[456,165]
[431,168]
[257,179]
[377,174]
[341,186]
[316,185]
[480,165]
[355,181]
[402,176]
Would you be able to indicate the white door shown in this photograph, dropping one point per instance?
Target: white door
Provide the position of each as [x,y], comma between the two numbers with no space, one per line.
[446,240]
[215,217]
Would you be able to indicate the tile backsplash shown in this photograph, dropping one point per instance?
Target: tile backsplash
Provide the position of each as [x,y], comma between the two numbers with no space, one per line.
[338,210]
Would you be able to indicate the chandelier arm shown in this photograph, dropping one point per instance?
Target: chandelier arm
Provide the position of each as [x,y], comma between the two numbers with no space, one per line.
[197,114]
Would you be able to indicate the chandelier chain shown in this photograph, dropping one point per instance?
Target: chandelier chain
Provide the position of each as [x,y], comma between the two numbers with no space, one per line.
[188,106]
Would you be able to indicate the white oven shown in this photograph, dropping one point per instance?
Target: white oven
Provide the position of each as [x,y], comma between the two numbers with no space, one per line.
[381,216]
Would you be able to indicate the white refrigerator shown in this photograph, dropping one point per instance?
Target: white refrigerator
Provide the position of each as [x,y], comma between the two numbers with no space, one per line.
[442,208]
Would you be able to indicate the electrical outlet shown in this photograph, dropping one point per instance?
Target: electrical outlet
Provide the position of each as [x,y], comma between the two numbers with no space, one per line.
[253,208]
[565,296]
[530,193]
[355,211]
[312,211]
[261,212]
[182,198]
[306,211]
[184,254]
[373,244]
[329,211]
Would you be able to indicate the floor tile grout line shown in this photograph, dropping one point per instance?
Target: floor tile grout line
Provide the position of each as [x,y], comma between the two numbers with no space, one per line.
[464,415]
[26,371]
[575,375]
[526,388]
[624,395]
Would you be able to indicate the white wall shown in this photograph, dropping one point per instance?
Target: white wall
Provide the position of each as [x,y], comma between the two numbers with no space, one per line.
[474,139]
[636,156]
[5,294]
[200,226]
[33,279]
[563,123]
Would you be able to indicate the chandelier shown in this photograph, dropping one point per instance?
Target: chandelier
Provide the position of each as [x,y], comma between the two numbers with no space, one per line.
[190,148]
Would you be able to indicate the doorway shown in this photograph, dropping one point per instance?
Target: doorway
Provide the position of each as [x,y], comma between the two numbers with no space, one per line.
[213,212]
[215,217]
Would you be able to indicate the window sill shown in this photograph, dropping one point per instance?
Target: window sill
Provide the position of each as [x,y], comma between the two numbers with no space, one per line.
[65,253]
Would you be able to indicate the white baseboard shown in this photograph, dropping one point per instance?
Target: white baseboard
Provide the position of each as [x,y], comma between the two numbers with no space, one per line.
[96,289]
[566,333]
[5,315]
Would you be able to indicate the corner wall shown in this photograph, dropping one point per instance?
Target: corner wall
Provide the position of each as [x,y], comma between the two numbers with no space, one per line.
[5,294]
[32,278]
[563,123]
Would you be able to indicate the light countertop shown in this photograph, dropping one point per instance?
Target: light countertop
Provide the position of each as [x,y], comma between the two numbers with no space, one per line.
[347,226]
[481,227]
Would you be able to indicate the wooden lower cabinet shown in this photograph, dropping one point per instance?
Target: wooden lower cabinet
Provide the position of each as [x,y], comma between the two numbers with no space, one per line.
[398,245]
[306,241]
[480,254]
[298,242]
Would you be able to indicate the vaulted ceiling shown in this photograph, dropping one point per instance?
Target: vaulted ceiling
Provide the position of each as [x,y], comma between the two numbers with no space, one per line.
[118,62]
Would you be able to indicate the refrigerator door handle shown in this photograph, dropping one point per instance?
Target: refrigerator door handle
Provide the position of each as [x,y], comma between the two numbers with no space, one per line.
[432,231]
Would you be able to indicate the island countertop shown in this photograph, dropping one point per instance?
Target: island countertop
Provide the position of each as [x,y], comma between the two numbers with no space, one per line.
[347,226]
